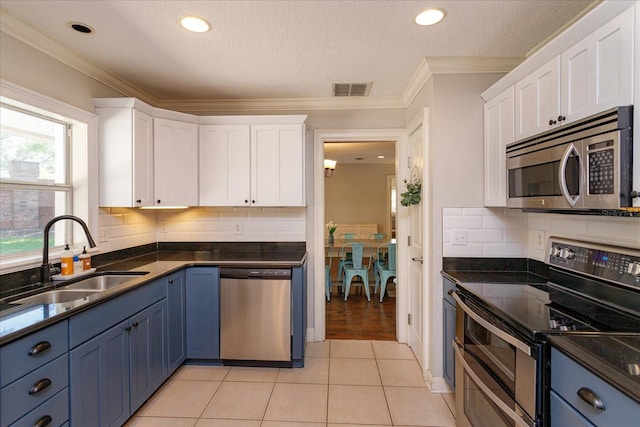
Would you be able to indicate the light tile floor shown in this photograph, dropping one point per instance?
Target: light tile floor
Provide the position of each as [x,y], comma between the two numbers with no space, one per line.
[375,383]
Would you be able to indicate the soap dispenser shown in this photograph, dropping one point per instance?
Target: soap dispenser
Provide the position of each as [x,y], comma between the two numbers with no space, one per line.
[86,259]
[66,261]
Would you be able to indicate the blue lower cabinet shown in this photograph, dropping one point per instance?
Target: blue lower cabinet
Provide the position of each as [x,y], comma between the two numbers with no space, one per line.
[148,355]
[99,379]
[202,313]
[176,329]
[54,412]
[113,374]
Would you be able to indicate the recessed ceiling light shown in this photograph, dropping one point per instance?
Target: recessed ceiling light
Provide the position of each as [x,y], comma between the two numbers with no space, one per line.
[430,16]
[195,24]
[81,28]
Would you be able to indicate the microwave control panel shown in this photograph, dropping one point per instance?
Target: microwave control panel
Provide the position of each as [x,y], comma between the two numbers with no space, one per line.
[601,172]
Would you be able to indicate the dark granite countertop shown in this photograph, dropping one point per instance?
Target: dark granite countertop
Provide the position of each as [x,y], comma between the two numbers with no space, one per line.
[494,270]
[612,358]
[19,320]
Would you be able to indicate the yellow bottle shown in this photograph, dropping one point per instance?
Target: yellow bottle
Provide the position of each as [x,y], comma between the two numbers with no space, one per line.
[66,261]
[86,259]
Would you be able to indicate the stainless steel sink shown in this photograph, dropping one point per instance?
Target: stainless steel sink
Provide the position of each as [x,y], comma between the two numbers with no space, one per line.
[102,282]
[56,297]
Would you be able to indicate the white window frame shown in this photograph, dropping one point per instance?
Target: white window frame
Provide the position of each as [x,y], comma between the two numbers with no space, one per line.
[83,162]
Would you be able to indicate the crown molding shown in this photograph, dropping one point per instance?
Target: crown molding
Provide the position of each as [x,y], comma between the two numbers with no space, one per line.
[427,68]
[34,38]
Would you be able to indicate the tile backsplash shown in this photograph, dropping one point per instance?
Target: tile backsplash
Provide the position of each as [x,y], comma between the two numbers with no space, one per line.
[123,227]
[502,232]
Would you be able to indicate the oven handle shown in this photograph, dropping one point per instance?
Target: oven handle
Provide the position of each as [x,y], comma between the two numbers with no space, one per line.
[493,329]
[562,176]
[487,391]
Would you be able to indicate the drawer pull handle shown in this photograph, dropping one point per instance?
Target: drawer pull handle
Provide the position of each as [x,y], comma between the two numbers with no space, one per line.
[43,421]
[41,347]
[591,398]
[39,386]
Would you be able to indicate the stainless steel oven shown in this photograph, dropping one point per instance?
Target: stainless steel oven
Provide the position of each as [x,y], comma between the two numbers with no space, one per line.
[496,370]
[585,165]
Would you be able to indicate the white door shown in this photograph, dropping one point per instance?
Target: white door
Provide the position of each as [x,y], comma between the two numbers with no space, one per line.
[417,134]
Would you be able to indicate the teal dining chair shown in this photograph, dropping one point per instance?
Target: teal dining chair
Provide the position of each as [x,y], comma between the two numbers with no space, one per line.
[356,269]
[385,270]
[327,277]
[345,257]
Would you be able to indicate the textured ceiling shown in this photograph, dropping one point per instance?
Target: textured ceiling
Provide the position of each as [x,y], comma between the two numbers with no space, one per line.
[285,49]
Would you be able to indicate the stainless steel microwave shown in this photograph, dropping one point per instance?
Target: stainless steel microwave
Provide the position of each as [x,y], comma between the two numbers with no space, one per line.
[585,165]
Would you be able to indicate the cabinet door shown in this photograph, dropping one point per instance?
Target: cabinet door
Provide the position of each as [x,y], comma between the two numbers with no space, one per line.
[597,73]
[148,350]
[499,129]
[99,379]
[142,159]
[175,163]
[203,316]
[538,100]
[277,163]
[224,165]
[176,320]
[449,333]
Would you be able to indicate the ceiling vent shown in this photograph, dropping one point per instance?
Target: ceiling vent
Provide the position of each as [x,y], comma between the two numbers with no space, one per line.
[351,89]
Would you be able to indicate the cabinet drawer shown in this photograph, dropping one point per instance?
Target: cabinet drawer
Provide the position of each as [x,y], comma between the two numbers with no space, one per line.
[17,398]
[567,377]
[29,353]
[563,414]
[92,322]
[56,408]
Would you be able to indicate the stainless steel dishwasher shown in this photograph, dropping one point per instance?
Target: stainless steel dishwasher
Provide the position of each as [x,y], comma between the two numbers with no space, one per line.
[255,314]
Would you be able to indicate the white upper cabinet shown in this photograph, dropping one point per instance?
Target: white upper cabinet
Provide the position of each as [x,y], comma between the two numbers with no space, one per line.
[125,156]
[175,163]
[591,76]
[277,165]
[597,73]
[252,164]
[499,130]
[225,165]
[537,100]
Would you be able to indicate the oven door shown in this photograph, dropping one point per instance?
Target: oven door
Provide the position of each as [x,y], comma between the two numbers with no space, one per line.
[480,399]
[496,367]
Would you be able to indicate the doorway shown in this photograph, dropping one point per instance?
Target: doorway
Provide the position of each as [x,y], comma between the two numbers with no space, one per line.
[374,315]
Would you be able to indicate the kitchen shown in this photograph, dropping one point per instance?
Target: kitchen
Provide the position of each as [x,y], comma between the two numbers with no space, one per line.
[456,199]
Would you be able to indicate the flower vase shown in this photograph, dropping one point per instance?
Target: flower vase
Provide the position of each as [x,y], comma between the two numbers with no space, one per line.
[331,238]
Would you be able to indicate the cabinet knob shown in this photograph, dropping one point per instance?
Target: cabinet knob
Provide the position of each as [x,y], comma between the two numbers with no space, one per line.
[43,421]
[41,347]
[39,386]
[159,201]
[135,324]
[128,329]
[171,281]
[253,202]
[246,201]
[552,122]
[138,201]
[561,118]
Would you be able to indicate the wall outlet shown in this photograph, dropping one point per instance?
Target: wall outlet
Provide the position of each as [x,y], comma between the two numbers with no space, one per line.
[163,226]
[103,236]
[237,228]
[539,240]
[459,237]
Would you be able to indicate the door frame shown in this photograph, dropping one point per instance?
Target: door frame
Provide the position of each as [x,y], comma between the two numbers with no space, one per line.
[398,136]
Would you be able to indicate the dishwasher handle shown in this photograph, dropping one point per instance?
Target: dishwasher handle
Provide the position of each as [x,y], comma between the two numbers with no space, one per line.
[255,273]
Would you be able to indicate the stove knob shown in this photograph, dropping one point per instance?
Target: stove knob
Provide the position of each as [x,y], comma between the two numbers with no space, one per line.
[567,253]
[634,269]
[555,251]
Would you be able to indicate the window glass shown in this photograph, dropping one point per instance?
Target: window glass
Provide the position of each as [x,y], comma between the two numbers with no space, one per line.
[34,180]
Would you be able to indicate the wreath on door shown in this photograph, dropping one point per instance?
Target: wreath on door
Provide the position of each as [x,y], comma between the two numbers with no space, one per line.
[414,189]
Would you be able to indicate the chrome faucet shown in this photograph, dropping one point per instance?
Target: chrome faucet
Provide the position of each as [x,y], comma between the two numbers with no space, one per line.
[46,268]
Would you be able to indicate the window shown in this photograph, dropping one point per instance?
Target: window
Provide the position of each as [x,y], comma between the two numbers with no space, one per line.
[35,180]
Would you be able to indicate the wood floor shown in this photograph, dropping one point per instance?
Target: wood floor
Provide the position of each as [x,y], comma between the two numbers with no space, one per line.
[360,319]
